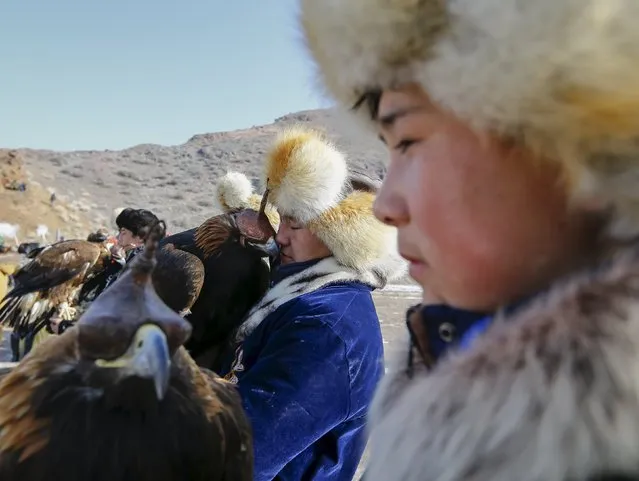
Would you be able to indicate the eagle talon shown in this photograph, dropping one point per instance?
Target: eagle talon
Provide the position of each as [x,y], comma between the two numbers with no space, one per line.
[66,312]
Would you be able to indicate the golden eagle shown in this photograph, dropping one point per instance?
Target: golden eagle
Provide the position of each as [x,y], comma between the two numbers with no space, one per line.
[48,287]
[230,249]
[117,397]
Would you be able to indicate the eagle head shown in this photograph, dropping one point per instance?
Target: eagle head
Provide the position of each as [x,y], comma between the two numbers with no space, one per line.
[244,226]
[128,336]
[256,232]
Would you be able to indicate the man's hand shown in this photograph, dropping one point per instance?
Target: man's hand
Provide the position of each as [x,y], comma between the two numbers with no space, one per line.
[117,252]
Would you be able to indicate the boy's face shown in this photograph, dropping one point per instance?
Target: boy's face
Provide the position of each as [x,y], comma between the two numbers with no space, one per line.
[127,240]
[482,223]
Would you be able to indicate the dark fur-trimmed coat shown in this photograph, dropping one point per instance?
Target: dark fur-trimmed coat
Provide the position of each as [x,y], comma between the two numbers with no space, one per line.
[549,394]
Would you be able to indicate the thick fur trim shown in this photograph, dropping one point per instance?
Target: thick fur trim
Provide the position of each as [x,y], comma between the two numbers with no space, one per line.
[561,77]
[325,272]
[353,234]
[308,179]
[551,394]
[305,174]
[235,191]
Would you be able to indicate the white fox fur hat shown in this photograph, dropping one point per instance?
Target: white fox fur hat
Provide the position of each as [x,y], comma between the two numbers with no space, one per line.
[558,76]
[235,191]
[307,179]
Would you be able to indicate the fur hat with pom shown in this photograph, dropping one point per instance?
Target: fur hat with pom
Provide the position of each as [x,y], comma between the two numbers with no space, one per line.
[307,179]
[234,191]
[559,77]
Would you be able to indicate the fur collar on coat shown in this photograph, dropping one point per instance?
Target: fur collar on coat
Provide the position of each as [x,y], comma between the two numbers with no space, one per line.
[550,395]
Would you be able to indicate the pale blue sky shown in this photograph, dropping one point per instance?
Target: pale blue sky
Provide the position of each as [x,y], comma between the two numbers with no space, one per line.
[88,74]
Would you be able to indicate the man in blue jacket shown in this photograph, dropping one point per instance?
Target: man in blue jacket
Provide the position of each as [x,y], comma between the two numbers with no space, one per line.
[310,353]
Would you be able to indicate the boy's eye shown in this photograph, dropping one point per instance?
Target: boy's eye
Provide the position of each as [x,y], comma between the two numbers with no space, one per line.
[404,145]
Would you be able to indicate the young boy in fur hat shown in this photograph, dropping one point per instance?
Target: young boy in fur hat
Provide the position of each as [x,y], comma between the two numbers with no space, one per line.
[310,353]
[512,130]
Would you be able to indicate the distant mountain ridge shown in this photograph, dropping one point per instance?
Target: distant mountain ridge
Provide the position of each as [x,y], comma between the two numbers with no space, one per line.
[176,182]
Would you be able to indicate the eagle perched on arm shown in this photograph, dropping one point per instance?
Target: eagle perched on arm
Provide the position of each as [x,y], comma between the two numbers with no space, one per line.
[117,397]
[48,286]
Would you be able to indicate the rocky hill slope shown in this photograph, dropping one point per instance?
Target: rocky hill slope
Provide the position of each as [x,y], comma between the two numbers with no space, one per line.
[176,181]
[27,203]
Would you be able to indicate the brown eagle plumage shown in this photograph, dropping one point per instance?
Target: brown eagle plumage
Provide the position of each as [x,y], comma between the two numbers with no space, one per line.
[230,249]
[178,278]
[48,286]
[117,397]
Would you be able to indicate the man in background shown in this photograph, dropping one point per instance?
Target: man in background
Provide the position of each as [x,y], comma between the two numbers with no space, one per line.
[133,227]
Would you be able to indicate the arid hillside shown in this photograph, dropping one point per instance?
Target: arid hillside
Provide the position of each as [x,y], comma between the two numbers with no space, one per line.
[173,181]
[27,203]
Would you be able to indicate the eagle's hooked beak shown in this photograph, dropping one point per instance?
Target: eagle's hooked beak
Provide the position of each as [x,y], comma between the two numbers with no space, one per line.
[269,248]
[147,357]
[264,200]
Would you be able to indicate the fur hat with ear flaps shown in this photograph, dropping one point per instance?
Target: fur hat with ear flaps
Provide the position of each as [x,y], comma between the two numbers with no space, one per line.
[559,77]
[235,191]
[307,179]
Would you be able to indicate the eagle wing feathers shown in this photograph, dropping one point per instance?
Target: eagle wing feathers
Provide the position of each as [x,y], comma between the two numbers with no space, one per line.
[55,265]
